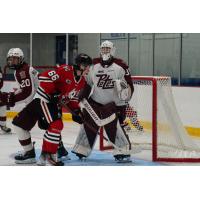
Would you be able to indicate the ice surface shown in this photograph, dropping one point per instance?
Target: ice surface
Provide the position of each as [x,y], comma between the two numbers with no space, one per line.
[10,146]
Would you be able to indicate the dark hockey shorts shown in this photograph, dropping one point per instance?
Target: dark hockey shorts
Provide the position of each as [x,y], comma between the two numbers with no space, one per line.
[37,110]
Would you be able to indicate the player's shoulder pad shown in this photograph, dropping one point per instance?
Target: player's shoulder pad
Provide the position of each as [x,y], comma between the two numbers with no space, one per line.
[121,63]
[96,61]
[26,68]
[33,71]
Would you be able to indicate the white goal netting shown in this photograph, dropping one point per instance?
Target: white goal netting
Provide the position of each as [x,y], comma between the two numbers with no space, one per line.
[156,125]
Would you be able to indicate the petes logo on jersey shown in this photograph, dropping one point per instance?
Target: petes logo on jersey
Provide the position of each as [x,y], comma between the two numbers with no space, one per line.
[105,82]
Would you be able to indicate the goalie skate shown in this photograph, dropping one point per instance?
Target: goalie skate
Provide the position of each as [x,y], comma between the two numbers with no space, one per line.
[80,156]
[120,158]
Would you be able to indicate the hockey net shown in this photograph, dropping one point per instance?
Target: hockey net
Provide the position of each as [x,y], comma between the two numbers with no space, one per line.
[154,123]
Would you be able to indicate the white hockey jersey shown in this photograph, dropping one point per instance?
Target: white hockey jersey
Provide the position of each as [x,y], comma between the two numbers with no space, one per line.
[102,81]
[27,79]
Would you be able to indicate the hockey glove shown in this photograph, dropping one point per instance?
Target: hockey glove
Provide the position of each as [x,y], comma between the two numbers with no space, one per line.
[123,90]
[77,117]
[84,93]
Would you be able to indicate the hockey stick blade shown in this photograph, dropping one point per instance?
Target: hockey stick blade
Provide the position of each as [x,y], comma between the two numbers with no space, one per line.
[100,122]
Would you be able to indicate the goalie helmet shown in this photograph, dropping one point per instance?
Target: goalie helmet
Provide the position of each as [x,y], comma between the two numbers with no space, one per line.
[12,62]
[107,50]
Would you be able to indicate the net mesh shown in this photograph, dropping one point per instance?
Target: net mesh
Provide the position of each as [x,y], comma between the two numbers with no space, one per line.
[173,140]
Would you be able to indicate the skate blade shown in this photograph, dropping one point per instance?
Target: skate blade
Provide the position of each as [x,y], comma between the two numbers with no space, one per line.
[5,133]
[84,159]
[64,158]
[124,161]
[29,161]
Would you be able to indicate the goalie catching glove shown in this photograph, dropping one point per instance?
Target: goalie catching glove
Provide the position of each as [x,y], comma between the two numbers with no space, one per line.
[123,90]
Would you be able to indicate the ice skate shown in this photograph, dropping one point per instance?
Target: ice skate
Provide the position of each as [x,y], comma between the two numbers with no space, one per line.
[5,130]
[26,158]
[62,152]
[121,158]
[48,159]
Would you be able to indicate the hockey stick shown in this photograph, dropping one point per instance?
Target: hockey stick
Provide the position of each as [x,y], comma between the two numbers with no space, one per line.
[72,112]
[100,122]
[105,121]
[132,151]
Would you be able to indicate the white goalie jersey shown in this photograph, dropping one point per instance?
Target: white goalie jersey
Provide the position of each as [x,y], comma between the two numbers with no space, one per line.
[102,80]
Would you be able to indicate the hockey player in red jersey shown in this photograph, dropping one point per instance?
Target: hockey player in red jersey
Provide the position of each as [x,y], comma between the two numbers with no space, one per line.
[54,85]
[3,108]
[81,59]
[109,87]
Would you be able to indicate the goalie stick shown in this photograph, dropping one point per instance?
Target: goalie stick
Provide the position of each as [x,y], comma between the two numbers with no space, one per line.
[132,151]
[72,112]
[100,122]
[84,103]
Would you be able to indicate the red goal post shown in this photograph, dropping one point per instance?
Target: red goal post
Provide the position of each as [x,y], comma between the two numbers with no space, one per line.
[164,134]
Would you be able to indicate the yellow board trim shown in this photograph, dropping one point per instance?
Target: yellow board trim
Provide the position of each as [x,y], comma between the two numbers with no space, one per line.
[65,117]
[193,131]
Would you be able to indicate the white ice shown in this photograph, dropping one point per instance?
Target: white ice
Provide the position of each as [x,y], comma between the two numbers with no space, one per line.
[10,146]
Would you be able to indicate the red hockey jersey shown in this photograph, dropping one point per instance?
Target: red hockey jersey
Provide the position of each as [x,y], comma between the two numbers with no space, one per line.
[60,81]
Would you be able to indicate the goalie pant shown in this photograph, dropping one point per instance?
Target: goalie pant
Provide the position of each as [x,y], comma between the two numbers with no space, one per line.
[48,116]
[89,130]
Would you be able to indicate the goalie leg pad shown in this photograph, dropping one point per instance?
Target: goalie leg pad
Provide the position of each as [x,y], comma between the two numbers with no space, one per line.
[90,128]
[111,130]
[121,142]
[107,110]
[121,113]
[82,145]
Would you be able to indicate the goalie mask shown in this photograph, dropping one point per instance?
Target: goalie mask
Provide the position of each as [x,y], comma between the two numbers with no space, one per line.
[107,50]
[15,58]
[82,63]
